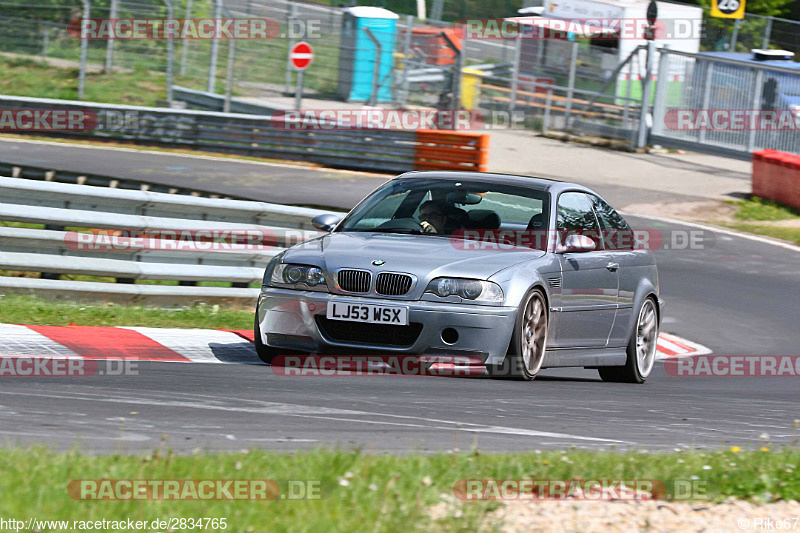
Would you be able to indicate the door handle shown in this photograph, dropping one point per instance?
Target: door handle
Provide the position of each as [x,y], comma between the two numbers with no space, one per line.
[613,267]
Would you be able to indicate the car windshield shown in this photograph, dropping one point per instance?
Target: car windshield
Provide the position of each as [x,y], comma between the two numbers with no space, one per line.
[437,207]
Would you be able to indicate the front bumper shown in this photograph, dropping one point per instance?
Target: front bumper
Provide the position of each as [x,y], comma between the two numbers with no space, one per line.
[288,320]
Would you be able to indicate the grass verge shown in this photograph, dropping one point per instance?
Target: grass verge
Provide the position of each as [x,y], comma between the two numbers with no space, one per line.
[364,492]
[766,217]
[756,208]
[22,309]
[776,232]
[32,78]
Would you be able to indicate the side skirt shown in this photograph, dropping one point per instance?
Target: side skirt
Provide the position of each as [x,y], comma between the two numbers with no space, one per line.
[587,357]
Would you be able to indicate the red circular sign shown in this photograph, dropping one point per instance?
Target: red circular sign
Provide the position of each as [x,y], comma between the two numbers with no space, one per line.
[301,56]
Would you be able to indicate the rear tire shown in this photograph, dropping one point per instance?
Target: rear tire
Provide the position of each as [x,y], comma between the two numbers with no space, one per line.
[641,349]
[528,345]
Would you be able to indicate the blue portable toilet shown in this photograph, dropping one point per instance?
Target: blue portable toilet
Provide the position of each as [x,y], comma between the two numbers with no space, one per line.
[357,53]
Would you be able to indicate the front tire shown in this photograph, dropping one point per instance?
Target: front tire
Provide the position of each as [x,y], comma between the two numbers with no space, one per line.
[529,342]
[641,349]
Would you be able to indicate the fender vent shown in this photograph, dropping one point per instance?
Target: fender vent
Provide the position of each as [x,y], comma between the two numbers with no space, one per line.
[555,283]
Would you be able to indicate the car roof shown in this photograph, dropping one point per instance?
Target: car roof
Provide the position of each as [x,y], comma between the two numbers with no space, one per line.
[533,182]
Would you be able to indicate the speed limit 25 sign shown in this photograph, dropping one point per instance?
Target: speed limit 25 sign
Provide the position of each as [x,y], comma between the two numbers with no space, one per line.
[728,9]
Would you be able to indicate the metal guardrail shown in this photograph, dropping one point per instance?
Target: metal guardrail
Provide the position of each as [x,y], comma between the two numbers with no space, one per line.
[214,102]
[62,207]
[31,172]
[384,150]
[380,150]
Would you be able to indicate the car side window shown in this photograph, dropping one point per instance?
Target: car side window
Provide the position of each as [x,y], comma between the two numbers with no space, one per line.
[576,215]
[617,234]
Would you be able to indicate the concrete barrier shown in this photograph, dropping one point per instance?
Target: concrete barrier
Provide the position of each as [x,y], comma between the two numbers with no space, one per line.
[776,176]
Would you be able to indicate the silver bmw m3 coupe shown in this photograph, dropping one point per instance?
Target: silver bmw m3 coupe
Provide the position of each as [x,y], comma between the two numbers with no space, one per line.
[522,273]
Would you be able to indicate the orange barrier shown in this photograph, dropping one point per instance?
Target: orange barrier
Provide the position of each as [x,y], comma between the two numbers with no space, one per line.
[449,150]
[776,175]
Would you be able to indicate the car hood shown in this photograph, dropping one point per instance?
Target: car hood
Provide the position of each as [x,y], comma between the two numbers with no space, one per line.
[424,256]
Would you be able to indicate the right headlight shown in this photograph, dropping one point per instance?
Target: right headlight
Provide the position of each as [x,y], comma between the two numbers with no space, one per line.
[474,290]
[290,275]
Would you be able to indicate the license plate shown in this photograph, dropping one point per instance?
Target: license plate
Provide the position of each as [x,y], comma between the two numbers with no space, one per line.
[371,314]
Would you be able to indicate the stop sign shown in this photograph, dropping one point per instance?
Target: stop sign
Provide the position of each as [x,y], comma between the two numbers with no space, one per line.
[301,56]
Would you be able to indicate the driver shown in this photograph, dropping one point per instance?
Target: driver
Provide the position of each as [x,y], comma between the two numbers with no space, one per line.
[437,217]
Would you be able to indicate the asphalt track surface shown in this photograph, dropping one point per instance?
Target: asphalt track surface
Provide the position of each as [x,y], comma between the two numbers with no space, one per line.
[268,182]
[737,296]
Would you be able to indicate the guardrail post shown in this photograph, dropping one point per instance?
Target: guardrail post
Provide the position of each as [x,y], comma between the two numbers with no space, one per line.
[767,34]
[45,40]
[185,44]
[376,70]
[759,87]
[701,137]
[458,67]
[548,101]
[403,97]
[515,73]
[84,46]
[51,275]
[212,64]
[573,64]
[662,83]
[627,107]
[170,50]
[112,14]
[292,15]
[648,73]
[735,35]
[229,75]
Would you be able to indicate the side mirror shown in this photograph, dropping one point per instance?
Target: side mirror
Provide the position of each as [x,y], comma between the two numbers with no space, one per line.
[325,222]
[578,243]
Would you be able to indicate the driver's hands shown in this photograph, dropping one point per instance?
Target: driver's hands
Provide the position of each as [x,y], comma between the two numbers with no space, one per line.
[427,227]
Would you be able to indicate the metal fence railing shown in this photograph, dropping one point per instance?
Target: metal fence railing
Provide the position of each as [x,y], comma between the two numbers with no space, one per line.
[581,86]
[728,105]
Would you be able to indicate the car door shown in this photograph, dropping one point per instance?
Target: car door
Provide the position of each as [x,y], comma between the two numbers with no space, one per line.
[618,240]
[589,281]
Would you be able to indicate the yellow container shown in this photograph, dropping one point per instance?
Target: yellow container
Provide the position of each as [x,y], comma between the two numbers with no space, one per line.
[470,87]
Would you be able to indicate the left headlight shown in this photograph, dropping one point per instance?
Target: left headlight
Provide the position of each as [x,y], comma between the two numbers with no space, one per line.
[474,290]
[298,276]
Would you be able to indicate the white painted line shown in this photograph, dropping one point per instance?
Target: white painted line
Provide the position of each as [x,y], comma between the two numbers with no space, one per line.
[217,403]
[718,229]
[313,168]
